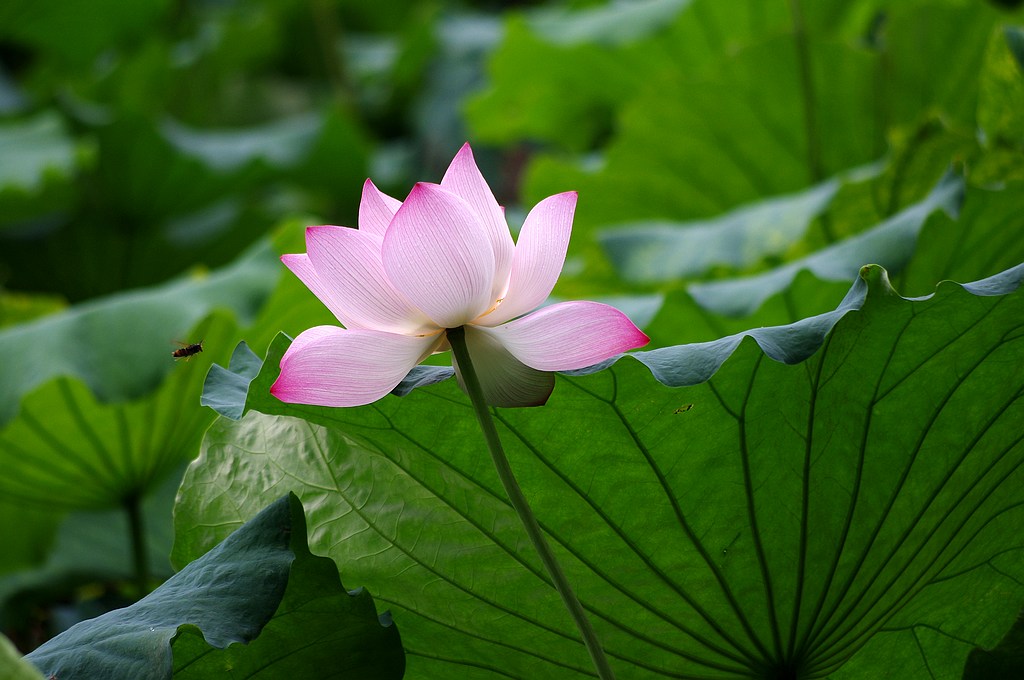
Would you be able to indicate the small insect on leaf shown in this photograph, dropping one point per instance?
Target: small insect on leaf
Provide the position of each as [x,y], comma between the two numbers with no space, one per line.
[683,409]
[186,352]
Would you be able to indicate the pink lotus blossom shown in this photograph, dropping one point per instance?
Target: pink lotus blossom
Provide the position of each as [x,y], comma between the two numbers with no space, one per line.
[444,258]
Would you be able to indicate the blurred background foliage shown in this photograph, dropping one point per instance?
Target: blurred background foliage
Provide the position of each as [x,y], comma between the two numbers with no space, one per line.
[156,156]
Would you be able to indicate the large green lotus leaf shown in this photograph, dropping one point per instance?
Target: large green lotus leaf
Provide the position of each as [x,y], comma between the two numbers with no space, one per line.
[847,509]
[67,449]
[120,346]
[261,580]
[13,666]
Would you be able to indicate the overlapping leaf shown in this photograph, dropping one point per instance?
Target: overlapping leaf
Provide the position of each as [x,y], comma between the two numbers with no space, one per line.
[120,346]
[811,519]
[890,244]
[68,450]
[261,579]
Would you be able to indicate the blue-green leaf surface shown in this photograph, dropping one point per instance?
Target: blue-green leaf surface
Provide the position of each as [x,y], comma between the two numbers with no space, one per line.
[260,581]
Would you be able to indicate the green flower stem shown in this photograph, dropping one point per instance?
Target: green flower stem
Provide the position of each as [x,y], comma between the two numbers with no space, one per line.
[457,338]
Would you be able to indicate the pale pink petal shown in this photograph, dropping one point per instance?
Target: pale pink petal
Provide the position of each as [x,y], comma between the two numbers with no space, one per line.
[463,178]
[301,266]
[505,380]
[538,259]
[308,336]
[348,263]
[438,257]
[329,366]
[376,210]
[569,335]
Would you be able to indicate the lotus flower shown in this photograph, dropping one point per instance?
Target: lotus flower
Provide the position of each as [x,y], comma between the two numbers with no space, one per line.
[444,258]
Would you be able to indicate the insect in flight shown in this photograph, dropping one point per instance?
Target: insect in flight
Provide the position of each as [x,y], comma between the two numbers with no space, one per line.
[186,352]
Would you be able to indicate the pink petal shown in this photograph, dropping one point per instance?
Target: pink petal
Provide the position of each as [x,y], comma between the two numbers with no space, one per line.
[301,266]
[330,366]
[569,335]
[348,263]
[538,259]
[436,255]
[505,380]
[463,178]
[376,210]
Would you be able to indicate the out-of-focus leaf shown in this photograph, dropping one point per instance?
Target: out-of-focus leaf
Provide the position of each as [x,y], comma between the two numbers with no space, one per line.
[934,54]
[677,156]
[1001,96]
[548,83]
[1015,43]
[162,199]
[564,102]
[12,99]
[845,80]
[76,30]
[455,71]
[281,143]
[682,318]
[93,545]
[890,244]
[18,308]
[826,516]
[612,24]
[32,149]
[28,534]
[13,666]
[66,449]
[120,346]
[987,237]
[37,163]
[650,252]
